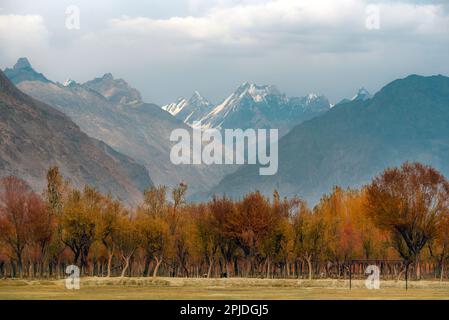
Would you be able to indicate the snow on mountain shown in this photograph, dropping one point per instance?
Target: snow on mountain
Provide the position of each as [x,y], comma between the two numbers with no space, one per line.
[175,107]
[255,106]
[190,111]
[259,93]
[249,106]
[69,82]
[356,141]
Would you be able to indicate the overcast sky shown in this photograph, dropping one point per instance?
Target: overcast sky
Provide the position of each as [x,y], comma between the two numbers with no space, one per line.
[168,49]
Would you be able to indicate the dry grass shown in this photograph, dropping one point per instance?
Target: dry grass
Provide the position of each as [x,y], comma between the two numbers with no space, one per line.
[235,288]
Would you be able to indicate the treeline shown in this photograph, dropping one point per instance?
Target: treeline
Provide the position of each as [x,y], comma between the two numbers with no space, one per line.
[402,215]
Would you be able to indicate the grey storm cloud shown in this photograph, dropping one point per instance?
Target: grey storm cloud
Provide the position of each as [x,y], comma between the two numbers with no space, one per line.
[168,49]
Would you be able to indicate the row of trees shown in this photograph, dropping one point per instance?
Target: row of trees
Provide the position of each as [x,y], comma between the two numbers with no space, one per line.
[403,214]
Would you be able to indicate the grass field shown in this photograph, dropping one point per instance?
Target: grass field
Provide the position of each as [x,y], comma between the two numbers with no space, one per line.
[229,289]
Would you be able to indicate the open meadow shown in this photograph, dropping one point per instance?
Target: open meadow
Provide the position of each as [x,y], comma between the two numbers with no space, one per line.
[221,289]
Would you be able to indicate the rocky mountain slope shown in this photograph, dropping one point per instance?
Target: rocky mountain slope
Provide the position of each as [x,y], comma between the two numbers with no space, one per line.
[112,111]
[34,136]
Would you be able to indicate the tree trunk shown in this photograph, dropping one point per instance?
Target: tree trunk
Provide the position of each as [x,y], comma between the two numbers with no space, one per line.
[125,268]
[268,268]
[417,268]
[77,254]
[228,264]
[110,256]
[19,264]
[209,271]
[126,259]
[146,264]
[309,266]
[156,268]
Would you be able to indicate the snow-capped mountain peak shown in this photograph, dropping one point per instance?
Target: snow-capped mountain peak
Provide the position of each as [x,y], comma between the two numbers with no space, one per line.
[69,82]
[311,97]
[249,106]
[198,99]
[190,111]
[197,95]
[256,92]
[175,107]
[262,106]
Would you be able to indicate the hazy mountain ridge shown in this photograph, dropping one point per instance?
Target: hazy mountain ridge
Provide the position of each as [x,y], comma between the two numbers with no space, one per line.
[361,95]
[407,120]
[22,71]
[117,91]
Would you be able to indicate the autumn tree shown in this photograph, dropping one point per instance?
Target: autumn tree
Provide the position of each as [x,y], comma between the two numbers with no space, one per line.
[252,225]
[308,229]
[107,224]
[54,196]
[127,240]
[42,225]
[179,195]
[277,247]
[224,214]
[161,243]
[177,234]
[79,223]
[182,239]
[439,246]
[410,202]
[155,239]
[15,217]
[54,191]
[209,235]
[153,226]
[155,199]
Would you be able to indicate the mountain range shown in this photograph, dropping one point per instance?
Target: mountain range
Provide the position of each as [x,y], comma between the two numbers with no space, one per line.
[34,136]
[407,120]
[112,111]
[321,145]
[250,106]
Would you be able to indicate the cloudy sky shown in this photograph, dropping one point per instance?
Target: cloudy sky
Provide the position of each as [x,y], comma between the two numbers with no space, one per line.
[169,48]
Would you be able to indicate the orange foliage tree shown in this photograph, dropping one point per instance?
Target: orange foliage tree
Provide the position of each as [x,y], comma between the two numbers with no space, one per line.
[410,202]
